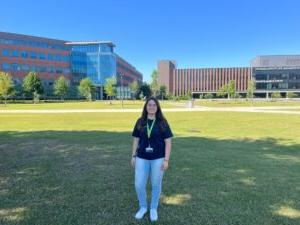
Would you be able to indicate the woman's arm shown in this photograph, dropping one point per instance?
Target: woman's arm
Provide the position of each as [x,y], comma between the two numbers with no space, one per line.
[167,153]
[134,147]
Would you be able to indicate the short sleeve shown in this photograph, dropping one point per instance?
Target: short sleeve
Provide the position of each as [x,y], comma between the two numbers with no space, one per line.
[136,132]
[167,133]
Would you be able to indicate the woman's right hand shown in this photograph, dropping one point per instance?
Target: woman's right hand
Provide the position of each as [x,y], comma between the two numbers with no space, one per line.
[133,162]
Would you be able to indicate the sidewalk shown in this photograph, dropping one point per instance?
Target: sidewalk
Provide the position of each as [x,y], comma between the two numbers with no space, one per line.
[270,109]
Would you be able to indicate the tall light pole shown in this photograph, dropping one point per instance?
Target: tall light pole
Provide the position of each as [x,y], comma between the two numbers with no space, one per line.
[121,76]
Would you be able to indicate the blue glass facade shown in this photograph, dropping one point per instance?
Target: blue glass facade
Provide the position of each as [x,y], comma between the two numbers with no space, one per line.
[278,79]
[95,60]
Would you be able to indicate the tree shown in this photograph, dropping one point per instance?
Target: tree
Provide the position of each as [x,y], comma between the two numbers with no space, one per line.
[6,86]
[141,95]
[86,88]
[145,89]
[275,95]
[208,96]
[291,95]
[189,95]
[250,90]
[61,87]
[33,86]
[154,83]
[110,88]
[134,87]
[228,89]
[163,91]
[222,91]
[231,89]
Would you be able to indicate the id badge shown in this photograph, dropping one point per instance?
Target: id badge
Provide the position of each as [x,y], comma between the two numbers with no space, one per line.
[149,149]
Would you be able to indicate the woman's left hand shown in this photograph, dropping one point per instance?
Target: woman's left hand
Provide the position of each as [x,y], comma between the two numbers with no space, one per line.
[165,165]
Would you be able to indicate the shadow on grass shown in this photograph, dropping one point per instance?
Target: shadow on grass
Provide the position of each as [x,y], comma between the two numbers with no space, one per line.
[84,177]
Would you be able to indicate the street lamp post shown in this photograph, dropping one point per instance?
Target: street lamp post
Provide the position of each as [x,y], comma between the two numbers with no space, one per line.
[121,76]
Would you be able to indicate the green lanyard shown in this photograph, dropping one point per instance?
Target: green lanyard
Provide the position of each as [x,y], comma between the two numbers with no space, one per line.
[149,130]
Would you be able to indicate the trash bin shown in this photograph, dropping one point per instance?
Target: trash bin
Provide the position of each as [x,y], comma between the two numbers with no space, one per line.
[191,103]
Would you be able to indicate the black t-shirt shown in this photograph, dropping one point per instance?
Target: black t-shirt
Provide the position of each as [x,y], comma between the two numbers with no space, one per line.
[157,140]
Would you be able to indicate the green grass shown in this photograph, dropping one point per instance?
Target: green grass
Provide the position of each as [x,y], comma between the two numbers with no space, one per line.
[225,168]
[116,104]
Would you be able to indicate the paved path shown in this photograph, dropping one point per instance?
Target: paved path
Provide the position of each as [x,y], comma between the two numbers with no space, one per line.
[267,109]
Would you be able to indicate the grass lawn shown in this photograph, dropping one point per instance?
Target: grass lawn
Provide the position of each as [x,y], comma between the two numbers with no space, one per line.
[225,168]
[116,104]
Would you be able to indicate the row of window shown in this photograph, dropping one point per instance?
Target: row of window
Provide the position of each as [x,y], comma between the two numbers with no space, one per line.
[35,68]
[33,44]
[283,76]
[86,48]
[34,55]
[129,79]
[129,70]
[104,48]
[79,69]
[275,86]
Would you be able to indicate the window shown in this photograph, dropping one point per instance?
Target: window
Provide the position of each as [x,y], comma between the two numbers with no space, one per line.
[43,69]
[42,56]
[58,57]
[66,58]
[33,55]
[5,66]
[5,52]
[261,77]
[52,69]
[58,70]
[15,53]
[33,68]
[50,56]
[24,67]
[105,48]
[15,67]
[24,54]
[66,70]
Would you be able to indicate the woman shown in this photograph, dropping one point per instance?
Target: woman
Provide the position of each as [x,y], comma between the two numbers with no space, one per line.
[150,155]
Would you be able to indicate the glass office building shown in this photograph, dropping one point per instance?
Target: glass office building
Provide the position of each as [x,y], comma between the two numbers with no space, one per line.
[277,79]
[95,60]
[276,73]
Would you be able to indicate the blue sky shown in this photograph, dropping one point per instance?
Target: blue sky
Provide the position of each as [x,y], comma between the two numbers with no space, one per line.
[195,33]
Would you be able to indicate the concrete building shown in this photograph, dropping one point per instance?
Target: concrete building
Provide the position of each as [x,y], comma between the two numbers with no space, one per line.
[271,74]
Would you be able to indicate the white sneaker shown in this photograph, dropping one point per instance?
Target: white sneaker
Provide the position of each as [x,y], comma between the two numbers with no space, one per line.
[140,214]
[153,215]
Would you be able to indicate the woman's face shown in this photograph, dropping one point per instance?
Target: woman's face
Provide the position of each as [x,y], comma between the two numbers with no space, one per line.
[151,107]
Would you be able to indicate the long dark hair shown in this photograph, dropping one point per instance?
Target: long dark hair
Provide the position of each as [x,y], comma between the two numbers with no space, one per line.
[160,119]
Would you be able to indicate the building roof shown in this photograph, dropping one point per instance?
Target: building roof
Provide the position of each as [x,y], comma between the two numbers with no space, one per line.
[29,37]
[90,43]
[276,61]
